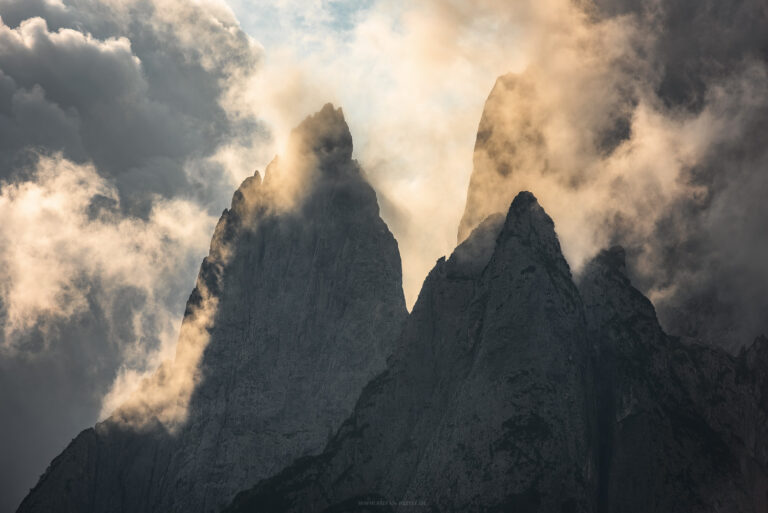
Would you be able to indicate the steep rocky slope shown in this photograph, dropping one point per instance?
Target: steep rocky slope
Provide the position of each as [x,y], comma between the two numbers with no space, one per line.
[511,390]
[299,301]
[682,427]
[487,402]
[510,386]
[508,142]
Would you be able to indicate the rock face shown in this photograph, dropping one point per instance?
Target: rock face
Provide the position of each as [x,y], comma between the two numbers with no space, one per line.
[682,428]
[487,402]
[512,390]
[508,142]
[509,387]
[304,288]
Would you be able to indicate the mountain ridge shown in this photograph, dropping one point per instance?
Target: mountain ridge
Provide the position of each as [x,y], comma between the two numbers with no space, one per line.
[294,310]
[511,386]
[666,426]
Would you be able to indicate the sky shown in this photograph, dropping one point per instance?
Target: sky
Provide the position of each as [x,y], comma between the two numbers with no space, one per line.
[126,125]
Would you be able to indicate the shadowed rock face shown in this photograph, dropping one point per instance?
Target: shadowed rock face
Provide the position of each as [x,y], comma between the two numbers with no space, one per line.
[511,390]
[308,300]
[681,427]
[487,401]
[508,388]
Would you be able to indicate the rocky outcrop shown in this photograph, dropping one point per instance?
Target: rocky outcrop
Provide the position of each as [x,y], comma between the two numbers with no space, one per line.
[303,286]
[508,142]
[486,404]
[511,390]
[681,427]
[509,387]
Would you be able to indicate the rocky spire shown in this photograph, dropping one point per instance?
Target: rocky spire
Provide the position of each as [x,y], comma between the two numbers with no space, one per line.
[667,413]
[303,293]
[486,402]
[326,137]
[511,390]
[508,143]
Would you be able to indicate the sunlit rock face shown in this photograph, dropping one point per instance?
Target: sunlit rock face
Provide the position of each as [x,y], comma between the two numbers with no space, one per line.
[296,308]
[509,142]
[514,389]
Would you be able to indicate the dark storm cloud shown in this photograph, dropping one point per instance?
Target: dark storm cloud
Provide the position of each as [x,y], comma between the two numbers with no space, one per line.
[120,88]
[111,117]
[699,41]
[710,250]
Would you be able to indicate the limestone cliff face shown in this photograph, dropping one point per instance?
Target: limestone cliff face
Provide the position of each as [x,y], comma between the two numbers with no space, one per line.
[508,143]
[512,390]
[305,283]
[682,428]
[487,401]
[509,387]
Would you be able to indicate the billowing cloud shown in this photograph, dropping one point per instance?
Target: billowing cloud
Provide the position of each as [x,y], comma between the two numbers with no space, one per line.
[64,239]
[137,88]
[628,136]
[633,122]
[120,143]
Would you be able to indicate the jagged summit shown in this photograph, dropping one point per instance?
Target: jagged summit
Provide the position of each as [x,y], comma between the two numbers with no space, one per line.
[324,136]
[512,390]
[508,143]
[296,307]
[485,403]
[527,220]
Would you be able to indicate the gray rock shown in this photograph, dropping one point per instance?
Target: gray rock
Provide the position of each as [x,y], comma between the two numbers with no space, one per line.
[511,390]
[682,428]
[508,142]
[485,406]
[306,279]
[508,388]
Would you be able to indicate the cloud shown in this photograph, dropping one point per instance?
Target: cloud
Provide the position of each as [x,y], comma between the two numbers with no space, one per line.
[120,142]
[629,133]
[62,232]
[633,122]
[86,294]
[138,100]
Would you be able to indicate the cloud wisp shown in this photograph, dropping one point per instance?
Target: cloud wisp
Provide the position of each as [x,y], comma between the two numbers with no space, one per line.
[632,152]
[125,125]
[119,145]
[626,118]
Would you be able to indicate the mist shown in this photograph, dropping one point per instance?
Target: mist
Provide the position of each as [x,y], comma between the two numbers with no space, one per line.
[125,126]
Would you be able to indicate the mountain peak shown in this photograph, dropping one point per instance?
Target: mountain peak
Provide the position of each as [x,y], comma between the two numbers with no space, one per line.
[526,213]
[295,309]
[524,198]
[527,221]
[324,136]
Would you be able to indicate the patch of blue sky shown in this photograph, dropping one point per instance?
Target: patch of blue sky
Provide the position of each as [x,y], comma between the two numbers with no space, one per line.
[303,25]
